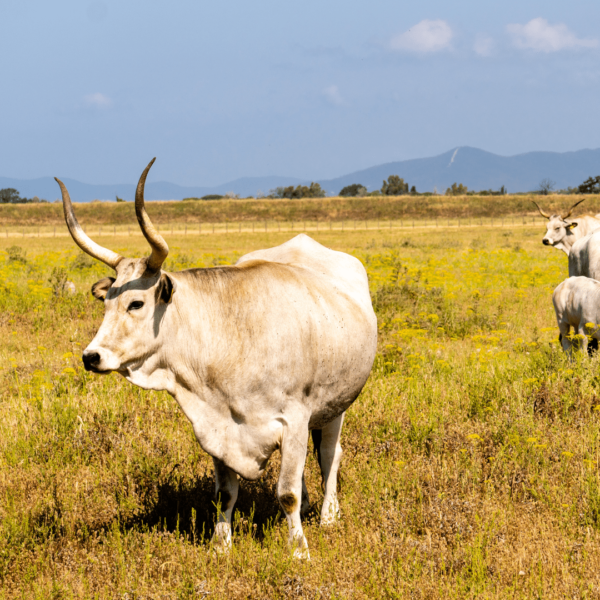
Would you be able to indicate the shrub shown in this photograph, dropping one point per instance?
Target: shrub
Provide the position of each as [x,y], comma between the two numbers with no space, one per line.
[355,189]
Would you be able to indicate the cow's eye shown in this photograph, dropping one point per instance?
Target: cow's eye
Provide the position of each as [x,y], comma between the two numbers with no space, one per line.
[135,305]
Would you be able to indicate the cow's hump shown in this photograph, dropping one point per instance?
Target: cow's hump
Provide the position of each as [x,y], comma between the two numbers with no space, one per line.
[342,270]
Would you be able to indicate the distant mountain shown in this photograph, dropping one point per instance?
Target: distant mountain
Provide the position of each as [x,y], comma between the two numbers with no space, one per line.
[477,169]
[480,170]
[47,188]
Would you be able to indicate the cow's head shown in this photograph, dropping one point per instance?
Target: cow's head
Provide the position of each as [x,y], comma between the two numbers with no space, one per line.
[558,229]
[135,300]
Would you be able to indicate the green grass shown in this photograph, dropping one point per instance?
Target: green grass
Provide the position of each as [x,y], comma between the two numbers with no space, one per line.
[471,457]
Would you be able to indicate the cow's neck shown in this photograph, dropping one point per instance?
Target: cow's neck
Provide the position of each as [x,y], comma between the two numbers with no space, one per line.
[566,243]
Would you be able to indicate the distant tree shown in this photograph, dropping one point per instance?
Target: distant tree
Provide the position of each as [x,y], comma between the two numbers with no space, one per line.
[457,189]
[503,191]
[413,190]
[356,189]
[546,186]
[120,199]
[211,197]
[9,196]
[314,190]
[590,186]
[394,186]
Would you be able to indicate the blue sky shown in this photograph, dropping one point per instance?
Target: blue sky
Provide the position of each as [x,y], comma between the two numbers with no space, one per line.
[93,89]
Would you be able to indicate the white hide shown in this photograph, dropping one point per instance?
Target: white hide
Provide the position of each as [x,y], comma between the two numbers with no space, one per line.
[256,355]
[584,258]
[576,303]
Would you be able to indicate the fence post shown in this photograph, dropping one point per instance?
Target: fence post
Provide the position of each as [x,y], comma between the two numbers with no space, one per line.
[413,223]
[252,226]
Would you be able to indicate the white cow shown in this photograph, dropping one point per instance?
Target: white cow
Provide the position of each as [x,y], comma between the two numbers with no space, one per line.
[584,258]
[257,354]
[577,306]
[562,234]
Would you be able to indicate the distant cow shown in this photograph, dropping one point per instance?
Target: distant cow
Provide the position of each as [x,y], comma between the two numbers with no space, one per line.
[584,258]
[577,306]
[257,354]
[562,234]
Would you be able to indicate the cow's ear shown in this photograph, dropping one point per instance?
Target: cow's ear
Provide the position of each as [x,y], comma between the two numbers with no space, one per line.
[166,288]
[571,225]
[100,288]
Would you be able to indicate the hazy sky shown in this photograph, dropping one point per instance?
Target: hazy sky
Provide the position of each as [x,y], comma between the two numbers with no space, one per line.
[220,90]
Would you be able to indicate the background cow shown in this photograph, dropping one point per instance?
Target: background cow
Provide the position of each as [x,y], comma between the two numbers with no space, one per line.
[562,234]
[577,306]
[256,354]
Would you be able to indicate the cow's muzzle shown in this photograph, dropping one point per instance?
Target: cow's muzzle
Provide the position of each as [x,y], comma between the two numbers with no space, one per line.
[91,360]
[546,242]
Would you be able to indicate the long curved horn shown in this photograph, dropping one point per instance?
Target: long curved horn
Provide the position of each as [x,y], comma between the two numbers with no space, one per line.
[571,209]
[108,257]
[160,250]
[541,211]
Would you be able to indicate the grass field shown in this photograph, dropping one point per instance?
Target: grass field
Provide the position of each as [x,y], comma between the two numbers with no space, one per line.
[471,457]
[321,210]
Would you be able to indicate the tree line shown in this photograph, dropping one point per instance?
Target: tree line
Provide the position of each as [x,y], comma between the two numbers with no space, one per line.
[11,196]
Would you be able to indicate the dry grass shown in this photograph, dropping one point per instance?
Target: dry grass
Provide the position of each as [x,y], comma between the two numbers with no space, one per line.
[471,458]
[315,209]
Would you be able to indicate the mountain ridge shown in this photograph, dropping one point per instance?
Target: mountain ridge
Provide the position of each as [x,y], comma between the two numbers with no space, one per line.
[473,167]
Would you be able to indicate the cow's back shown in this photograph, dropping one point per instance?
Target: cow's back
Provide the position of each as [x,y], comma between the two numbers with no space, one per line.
[344,272]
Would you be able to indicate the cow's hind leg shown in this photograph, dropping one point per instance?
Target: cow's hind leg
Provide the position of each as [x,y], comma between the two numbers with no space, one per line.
[226,491]
[329,454]
[592,346]
[290,485]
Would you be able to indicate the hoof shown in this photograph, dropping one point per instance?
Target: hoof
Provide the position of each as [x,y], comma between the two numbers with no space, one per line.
[301,554]
[221,539]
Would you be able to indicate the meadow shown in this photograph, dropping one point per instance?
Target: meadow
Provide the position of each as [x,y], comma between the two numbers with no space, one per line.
[254,212]
[471,457]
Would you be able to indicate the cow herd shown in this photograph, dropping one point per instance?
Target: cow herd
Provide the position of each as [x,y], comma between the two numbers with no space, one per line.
[577,299]
[264,353]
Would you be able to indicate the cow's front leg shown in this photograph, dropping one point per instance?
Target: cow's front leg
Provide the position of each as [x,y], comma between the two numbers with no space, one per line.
[330,455]
[290,484]
[226,491]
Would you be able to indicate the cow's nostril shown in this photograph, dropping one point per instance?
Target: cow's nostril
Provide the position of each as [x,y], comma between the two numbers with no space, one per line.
[545,242]
[90,361]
